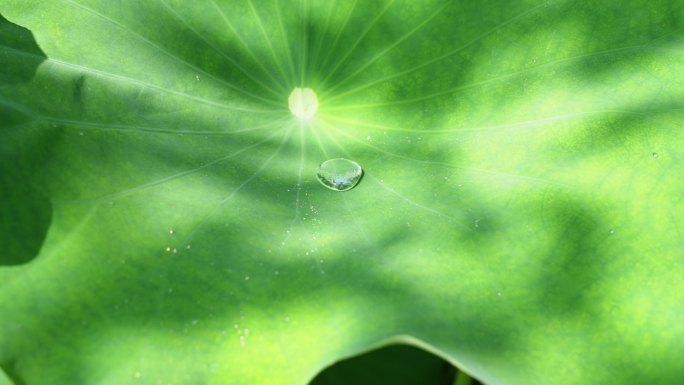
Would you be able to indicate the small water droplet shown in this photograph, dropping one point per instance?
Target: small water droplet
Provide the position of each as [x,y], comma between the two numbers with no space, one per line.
[287,319]
[498,293]
[194,322]
[187,247]
[170,290]
[339,174]
[236,326]
[80,133]
[655,154]
[171,232]
[168,248]
[246,331]
[611,231]
[242,341]
[246,277]
[136,374]
[197,77]
[174,251]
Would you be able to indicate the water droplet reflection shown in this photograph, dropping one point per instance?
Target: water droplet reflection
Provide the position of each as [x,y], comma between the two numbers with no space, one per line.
[339,174]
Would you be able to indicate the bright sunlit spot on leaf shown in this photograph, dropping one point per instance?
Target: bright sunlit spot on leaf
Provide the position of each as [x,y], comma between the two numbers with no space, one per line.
[303,103]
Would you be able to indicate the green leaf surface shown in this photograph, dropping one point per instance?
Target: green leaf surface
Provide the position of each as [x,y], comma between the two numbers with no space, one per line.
[520,212]
[394,364]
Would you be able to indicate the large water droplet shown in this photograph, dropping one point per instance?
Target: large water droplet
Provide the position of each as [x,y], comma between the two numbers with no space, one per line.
[303,103]
[339,174]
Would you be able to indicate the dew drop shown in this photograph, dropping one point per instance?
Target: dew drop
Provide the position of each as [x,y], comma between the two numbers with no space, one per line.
[246,277]
[242,341]
[655,154]
[339,174]
[611,231]
[171,231]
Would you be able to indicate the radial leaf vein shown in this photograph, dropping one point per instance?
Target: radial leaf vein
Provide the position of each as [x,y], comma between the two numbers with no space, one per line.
[385,51]
[251,76]
[162,50]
